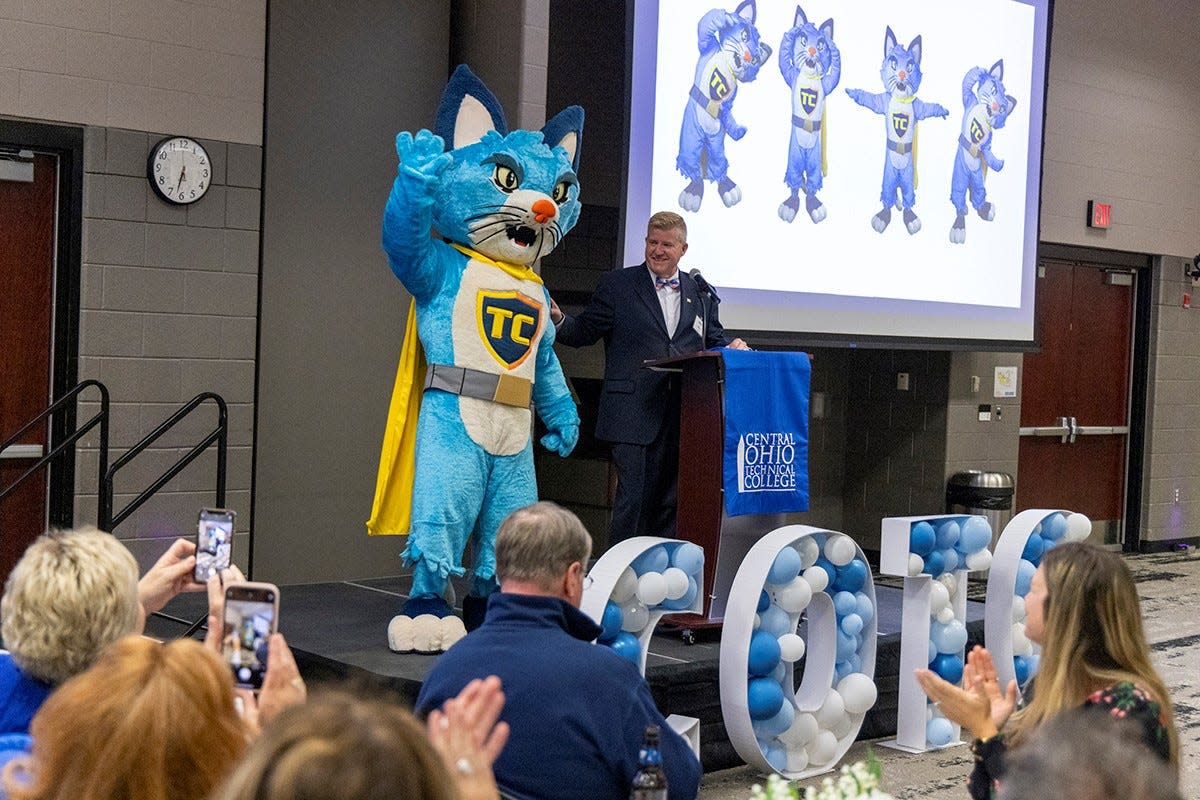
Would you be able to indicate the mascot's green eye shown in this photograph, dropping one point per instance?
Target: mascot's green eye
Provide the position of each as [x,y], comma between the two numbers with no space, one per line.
[505,178]
[562,191]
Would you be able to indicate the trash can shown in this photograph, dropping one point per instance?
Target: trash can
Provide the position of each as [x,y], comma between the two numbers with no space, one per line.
[978,492]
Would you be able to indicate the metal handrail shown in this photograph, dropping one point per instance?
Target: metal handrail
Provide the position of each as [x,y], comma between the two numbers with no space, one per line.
[108,520]
[101,419]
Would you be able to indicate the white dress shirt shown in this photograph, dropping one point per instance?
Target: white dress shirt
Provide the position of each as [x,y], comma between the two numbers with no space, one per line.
[669,299]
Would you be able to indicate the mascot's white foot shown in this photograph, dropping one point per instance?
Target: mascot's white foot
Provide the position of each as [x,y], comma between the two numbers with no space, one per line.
[731,193]
[426,634]
[911,221]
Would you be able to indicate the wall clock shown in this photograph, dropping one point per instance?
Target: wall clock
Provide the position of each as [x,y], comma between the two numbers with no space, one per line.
[179,169]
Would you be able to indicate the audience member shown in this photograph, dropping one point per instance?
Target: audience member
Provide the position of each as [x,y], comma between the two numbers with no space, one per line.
[146,721]
[1082,608]
[339,747]
[578,712]
[1087,754]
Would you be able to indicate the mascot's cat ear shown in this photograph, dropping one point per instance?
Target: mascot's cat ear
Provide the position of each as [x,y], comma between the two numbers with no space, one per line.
[889,41]
[468,110]
[1012,102]
[997,70]
[800,18]
[747,10]
[565,129]
[914,50]
[827,28]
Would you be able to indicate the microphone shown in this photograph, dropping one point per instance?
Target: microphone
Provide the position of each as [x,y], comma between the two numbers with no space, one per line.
[704,285]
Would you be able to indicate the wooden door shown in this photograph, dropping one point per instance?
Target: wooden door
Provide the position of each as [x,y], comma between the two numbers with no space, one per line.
[1075,405]
[27,251]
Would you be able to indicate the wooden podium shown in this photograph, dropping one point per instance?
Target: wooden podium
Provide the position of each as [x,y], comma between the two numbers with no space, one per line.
[700,507]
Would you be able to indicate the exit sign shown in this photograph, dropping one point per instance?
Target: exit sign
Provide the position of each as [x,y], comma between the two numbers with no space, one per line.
[1099,214]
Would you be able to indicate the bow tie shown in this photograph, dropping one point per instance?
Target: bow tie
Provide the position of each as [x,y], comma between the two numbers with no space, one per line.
[672,283]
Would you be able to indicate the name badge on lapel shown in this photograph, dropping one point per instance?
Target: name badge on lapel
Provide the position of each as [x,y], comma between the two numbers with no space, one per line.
[698,326]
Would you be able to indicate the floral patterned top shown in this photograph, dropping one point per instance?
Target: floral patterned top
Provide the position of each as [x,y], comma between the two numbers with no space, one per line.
[1123,700]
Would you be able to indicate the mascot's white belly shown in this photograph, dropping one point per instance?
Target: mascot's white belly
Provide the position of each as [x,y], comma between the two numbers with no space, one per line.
[497,323]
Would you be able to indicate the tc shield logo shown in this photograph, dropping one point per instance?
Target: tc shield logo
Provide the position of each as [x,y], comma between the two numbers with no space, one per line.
[718,85]
[900,124]
[977,132]
[509,324]
[808,100]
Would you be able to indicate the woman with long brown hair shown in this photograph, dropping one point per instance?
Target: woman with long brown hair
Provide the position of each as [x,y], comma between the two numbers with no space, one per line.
[1083,609]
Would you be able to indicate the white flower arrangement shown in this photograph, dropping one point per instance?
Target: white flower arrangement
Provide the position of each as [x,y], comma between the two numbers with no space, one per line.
[856,782]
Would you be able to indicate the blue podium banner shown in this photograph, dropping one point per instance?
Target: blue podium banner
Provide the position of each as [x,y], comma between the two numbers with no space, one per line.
[766,432]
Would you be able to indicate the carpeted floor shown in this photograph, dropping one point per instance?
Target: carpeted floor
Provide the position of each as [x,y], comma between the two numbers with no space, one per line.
[1169,585]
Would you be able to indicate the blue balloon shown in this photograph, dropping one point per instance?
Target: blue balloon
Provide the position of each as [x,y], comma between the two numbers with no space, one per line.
[1033,549]
[949,667]
[1047,546]
[976,535]
[653,560]
[844,603]
[764,653]
[934,565]
[856,663]
[627,646]
[950,559]
[851,577]
[846,645]
[785,567]
[939,731]
[947,534]
[688,557]
[1021,668]
[841,669]
[863,606]
[852,624]
[764,698]
[830,570]
[776,756]
[775,621]
[921,538]
[1054,526]
[950,637]
[764,600]
[686,601]
[1025,570]
[932,651]
[770,728]
[610,623]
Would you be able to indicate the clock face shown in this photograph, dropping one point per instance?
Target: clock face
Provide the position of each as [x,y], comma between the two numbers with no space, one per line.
[179,169]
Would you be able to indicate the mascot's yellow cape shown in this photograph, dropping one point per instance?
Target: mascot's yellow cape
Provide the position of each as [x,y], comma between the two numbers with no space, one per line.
[391,512]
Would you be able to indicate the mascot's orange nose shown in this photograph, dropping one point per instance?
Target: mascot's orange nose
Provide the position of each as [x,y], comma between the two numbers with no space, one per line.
[812,51]
[544,210]
[902,75]
[746,56]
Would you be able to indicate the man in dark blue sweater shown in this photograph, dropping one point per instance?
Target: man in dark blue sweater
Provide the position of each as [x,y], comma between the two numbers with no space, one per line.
[577,711]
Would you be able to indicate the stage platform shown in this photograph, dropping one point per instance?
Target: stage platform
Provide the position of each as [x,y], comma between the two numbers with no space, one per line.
[338,632]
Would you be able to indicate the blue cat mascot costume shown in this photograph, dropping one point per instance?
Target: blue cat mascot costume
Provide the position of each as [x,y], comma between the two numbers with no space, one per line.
[730,53]
[812,66]
[901,109]
[985,108]
[498,201]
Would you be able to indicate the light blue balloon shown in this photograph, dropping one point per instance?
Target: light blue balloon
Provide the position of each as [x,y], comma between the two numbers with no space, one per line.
[932,651]
[770,728]
[844,603]
[764,653]
[775,621]
[776,756]
[1031,663]
[939,732]
[950,637]
[653,560]
[686,601]
[864,607]
[779,673]
[852,624]
[785,567]
[841,670]
[1025,570]
[947,534]
[1054,526]
[846,646]
[688,557]
[764,698]
[921,538]
[950,559]
[856,663]
[976,535]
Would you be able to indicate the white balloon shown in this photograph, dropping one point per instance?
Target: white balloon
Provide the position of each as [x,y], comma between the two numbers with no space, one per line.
[797,759]
[945,616]
[858,692]
[791,648]
[1020,642]
[817,578]
[677,582]
[625,587]
[809,551]
[843,728]
[636,616]
[803,730]
[979,561]
[794,597]
[939,597]
[840,550]
[757,622]
[652,588]
[916,564]
[831,710]
[822,749]
[948,580]
[1079,527]
[1018,608]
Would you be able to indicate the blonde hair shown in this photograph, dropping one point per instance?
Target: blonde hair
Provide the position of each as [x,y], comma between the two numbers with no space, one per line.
[668,221]
[73,593]
[146,720]
[340,747]
[539,542]
[1092,638]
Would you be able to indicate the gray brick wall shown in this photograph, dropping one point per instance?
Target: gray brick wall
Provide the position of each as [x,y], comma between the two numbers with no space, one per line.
[168,310]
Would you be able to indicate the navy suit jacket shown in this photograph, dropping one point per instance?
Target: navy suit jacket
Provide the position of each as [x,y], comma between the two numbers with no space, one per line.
[625,313]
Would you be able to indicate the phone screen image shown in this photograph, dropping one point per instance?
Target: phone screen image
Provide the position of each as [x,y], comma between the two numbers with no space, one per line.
[214,543]
[250,619]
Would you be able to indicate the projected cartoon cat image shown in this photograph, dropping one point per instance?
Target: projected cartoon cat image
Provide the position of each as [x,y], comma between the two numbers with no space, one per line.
[811,66]
[985,108]
[902,110]
[731,53]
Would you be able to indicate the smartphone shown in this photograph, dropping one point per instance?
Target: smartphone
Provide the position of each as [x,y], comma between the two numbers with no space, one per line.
[251,616]
[214,542]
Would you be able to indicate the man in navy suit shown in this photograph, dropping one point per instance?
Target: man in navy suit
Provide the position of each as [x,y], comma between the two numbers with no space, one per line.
[644,312]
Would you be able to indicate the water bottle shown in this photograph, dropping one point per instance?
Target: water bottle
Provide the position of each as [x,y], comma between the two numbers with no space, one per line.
[649,782]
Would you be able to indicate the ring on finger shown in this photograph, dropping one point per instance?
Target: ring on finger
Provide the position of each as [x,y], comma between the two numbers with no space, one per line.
[464,767]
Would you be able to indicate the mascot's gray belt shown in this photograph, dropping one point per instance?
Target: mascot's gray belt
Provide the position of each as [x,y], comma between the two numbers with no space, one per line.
[973,149]
[899,147]
[809,125]
[710,106]
[509,390]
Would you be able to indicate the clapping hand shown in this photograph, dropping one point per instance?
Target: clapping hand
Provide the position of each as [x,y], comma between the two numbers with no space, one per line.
[979,674]
[971,706]
[468,737]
